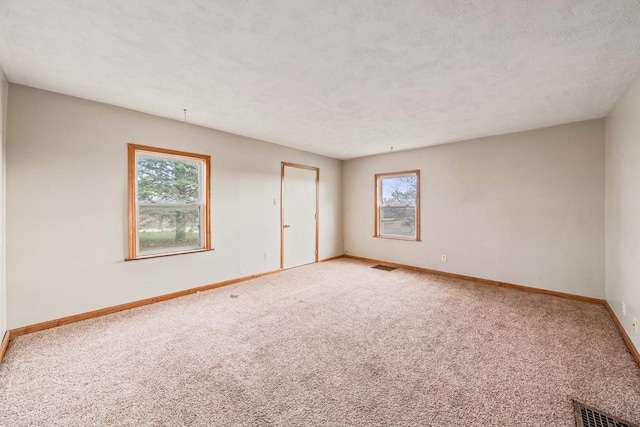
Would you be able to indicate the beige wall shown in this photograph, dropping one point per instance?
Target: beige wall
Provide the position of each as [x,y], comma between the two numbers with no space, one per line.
[524,208]
[4,90]
[623,209]
[67,213]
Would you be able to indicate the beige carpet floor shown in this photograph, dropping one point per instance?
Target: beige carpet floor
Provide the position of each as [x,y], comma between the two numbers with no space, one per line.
[329,344]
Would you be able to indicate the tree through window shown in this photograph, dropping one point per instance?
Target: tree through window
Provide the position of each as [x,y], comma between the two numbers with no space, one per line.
[168,202]
[397,210]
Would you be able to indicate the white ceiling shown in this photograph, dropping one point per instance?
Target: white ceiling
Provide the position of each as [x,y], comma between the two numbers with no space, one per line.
[343,78]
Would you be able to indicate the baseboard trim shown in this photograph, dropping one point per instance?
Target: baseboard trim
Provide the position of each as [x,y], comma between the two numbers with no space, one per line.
[332,258]
[485,281]
[4,345]
[627,340]
[116,308]
[623,333]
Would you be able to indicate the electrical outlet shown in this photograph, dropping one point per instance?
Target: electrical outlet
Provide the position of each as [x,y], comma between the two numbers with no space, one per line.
[267,255]
[635,325]
[444,258]
[624,309]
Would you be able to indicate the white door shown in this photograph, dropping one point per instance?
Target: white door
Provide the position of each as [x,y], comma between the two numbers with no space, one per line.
[299,215]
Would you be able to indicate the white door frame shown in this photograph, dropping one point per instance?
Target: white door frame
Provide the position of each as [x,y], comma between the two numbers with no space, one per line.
[282,224]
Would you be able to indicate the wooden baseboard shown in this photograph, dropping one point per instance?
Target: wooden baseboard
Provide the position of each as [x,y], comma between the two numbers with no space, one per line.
[116,308]
[485,281]
[632,348]
[625,337]
[332,258]
[4,345]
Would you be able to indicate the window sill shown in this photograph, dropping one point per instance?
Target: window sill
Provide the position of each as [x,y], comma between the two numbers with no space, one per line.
[397,238]
[167,254]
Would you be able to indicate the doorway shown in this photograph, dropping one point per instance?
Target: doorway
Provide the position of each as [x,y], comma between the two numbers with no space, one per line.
[298,215]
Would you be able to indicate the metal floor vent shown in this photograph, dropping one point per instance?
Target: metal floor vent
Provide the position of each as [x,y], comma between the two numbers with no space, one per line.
[590,417]
[383,267]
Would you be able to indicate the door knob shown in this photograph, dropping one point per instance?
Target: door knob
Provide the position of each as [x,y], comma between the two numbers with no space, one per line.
[286,226]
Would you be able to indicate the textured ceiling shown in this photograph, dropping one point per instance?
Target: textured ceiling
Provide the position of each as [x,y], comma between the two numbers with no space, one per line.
[340,78]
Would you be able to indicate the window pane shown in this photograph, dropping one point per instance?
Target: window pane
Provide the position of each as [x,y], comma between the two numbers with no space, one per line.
[398,206]
[162,228]
[399,191]
[398,221]
[168,180]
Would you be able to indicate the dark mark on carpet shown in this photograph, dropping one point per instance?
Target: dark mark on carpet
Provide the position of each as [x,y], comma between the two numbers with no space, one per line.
[383,267]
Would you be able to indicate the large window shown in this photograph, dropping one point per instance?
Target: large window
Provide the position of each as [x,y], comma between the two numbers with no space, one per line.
[168,202]
[397,213]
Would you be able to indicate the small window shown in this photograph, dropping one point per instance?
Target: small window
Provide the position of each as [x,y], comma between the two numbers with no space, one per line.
[168,202]
[397,213]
